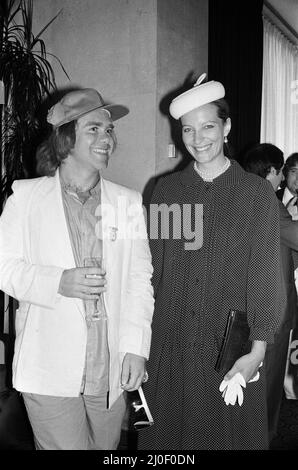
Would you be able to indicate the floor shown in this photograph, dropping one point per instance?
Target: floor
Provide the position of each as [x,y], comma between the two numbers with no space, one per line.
[15,429]
[287,438]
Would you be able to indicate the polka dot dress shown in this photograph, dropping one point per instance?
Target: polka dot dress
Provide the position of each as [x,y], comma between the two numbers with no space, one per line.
[238,266]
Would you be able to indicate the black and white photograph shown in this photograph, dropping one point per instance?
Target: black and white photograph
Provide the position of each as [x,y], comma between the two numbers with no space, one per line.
[149,229]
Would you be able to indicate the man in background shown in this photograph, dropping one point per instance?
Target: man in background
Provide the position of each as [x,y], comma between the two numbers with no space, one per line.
[266,160]
[289,188]
[288,195]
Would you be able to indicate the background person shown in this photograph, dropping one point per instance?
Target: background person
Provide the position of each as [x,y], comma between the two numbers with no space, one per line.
[267,161]
[288,195]
[289,187]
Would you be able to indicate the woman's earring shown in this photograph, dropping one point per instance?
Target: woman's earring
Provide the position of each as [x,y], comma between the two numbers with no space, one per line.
[225,139]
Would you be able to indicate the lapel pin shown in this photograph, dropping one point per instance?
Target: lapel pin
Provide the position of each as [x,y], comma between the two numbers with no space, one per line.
[113,233]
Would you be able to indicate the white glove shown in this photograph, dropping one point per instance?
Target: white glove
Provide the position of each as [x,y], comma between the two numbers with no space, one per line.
[231,389]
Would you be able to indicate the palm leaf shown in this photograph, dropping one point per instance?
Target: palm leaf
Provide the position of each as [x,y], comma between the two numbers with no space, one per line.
[7,10]
[45,27]
[57,58]
[28,77]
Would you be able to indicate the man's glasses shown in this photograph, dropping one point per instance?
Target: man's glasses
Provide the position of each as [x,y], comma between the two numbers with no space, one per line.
[139,413]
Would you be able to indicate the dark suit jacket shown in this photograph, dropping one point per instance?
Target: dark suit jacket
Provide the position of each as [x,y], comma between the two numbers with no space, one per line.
[276,354]
[289,245]
[279,193]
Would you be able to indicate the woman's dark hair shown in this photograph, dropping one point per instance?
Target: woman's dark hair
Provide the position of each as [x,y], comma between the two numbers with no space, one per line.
[260,158]
[56,148]
[291,161]
[223,110]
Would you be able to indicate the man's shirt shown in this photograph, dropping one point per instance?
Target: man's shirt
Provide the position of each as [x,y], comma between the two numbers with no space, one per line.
[80,212]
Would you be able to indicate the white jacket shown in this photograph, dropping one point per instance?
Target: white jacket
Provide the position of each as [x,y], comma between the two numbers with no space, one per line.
[50,329]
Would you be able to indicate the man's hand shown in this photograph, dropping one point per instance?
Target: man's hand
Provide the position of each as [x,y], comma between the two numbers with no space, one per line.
[133,371]
[82,283]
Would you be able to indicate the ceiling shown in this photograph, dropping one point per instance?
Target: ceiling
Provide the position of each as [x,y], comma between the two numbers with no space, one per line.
[288,9]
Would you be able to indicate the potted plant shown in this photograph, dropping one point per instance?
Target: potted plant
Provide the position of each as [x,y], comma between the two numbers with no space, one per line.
[28,79]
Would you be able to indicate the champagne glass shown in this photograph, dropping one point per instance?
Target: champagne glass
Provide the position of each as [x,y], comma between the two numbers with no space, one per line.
[94,308]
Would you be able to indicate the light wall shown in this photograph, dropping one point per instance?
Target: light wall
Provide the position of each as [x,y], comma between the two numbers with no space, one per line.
[133,52]
[182,50]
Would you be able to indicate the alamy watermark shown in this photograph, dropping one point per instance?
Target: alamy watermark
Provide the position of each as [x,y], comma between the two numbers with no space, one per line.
[160,221]
[294,353]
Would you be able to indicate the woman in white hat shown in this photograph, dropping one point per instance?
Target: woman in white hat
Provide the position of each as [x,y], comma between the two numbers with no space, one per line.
[236,267]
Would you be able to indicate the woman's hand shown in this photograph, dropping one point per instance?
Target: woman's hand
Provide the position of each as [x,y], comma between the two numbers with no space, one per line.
[248,365]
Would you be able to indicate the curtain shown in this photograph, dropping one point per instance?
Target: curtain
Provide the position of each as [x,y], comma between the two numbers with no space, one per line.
[279,116]
[235,58]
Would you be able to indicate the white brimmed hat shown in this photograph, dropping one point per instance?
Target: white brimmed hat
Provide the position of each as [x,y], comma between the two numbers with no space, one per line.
[196,96]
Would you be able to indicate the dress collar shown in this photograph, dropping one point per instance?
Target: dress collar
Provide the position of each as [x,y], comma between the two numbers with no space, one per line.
[189,177]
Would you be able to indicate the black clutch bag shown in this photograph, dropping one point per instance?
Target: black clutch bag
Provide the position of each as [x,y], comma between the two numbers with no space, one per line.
[235,342]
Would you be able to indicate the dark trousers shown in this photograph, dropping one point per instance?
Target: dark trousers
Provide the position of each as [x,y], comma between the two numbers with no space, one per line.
[275,366]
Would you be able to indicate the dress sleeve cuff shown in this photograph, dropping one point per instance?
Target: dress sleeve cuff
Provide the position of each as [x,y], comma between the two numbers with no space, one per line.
[259,334]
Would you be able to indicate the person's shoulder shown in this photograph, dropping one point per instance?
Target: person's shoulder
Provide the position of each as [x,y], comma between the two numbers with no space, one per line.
[257,183]
[256,187]
[29,183]
[121,190]
[249,178]
[170,180]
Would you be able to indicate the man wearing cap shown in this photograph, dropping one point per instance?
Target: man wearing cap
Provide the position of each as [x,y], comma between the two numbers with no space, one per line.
[82,333]
[194,406]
